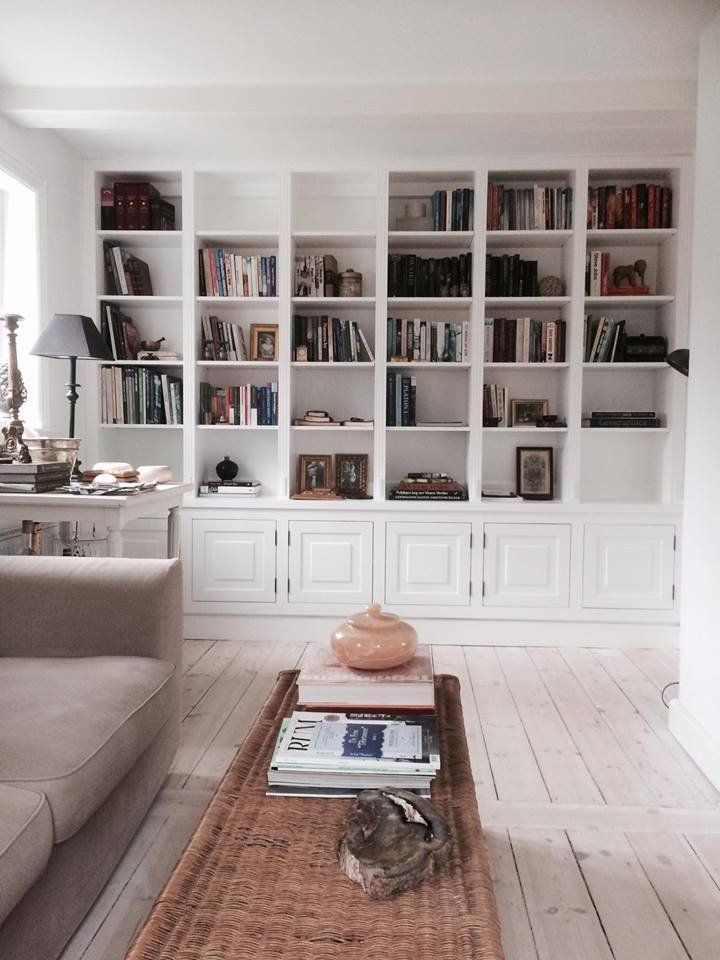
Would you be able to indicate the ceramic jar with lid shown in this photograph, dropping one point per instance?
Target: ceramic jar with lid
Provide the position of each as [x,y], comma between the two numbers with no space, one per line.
[373,640]
[350,283]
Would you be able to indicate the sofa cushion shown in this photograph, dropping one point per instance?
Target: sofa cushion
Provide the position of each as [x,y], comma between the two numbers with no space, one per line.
[26,839]
[72,727]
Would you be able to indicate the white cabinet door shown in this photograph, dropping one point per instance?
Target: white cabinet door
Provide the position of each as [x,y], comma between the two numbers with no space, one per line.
[330,562]
[428,563]
[145,539]
[527,565]
[233,560]
[629,566]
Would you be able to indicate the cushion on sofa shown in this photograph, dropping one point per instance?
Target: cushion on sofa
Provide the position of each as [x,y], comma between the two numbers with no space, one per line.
[72,727]
[26,839]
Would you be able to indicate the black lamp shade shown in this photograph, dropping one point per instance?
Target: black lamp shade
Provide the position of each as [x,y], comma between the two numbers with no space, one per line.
[679,360]
[71,335]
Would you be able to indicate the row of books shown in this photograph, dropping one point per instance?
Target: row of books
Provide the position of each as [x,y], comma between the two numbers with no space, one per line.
[127,275]
[33,477]
[494,405]
[429,341]
[524,340]
[508,275]
[400,398]
[410,275]
[329,340]
[598,281]
[221,339]
[139,395]
[223,273]
[604,340]
[119,332]
[356,730]
[529,208]
[243,405]
[623,418]
[428,486]
[316,276]
[135,206]
[453,210]
[638,207]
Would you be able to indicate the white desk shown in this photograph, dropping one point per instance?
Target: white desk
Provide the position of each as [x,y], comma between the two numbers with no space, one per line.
[113,512]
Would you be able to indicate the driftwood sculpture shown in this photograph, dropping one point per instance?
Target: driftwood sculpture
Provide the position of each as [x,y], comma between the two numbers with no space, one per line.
[393,840]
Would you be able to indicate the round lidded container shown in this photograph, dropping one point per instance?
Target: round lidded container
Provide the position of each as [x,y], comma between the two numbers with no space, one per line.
[373,640]
[350,283]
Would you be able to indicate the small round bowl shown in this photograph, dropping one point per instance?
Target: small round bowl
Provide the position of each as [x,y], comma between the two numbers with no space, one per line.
[373,640]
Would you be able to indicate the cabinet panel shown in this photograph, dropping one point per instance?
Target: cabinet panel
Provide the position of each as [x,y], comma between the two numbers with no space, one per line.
[233,560]
[628,566]
[428,563]
[145,539]
[527,565]
[330,562]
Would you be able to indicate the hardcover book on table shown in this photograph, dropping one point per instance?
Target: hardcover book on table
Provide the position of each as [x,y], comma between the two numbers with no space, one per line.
[324,681]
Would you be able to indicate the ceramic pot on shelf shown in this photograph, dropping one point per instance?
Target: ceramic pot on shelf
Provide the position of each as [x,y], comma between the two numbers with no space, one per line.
[373,640]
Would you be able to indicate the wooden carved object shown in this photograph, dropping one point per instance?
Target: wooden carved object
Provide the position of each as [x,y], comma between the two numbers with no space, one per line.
[630,274]
[393,840]
[14,397]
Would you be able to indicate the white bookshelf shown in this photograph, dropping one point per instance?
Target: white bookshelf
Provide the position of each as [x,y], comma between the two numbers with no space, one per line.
[285,212]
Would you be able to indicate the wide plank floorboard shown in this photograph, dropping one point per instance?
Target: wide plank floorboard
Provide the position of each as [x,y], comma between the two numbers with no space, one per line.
[603,836]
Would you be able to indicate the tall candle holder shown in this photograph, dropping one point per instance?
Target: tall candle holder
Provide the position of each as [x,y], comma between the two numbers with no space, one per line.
[13,394]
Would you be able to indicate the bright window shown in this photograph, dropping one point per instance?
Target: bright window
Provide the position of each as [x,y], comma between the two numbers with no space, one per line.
[19,292]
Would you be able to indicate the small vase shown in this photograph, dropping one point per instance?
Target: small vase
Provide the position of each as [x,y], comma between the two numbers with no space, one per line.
[227,469]
[373,640]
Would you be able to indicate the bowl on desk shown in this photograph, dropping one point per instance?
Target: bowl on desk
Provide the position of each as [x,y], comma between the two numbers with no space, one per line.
[53,449]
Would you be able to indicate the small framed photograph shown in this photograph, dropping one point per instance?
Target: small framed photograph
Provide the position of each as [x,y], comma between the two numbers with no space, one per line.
[351,474]
[526,413]
[535,473]
[263,341]
[314,473]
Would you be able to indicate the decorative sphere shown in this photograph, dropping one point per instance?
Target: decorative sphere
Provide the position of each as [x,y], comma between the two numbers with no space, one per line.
[551,287]
[373,640]
[227,469]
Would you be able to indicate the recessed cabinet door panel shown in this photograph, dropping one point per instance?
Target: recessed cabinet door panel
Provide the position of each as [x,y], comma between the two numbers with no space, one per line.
[330,562]
[629,566]
[428,563]
[527,565]
[145,539]
[233,560]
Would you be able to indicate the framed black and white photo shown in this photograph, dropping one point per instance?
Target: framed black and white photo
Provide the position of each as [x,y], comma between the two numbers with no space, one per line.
[314,472]
[351,473]
[535,473]
[264,341]
[526,413]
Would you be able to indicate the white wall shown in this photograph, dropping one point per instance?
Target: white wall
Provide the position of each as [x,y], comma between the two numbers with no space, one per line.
[43,161]
[695,717]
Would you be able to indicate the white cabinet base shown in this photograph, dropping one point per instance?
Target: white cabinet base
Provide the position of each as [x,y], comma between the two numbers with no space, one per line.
[527,565]
[330,562]
[233,560]
[428,563]
[629,566]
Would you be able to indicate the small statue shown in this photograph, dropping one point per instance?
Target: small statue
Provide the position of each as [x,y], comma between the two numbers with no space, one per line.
[630,274]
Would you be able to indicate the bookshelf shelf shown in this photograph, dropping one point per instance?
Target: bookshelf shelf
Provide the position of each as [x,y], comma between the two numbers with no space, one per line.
[237,364]
[650,300]
[622,365]
[247,301]
[429,429]
[142,426]
[235,426]
[335,239]
[630,238]
[430,239]
[142,363]
[347,303]
[527,238]
[143,237]
[426,365]
[524,303]
[544,367]
[660,431]
[439,303]
[155,301]
[333,428]
[525,429]
[248,239]
[326,365]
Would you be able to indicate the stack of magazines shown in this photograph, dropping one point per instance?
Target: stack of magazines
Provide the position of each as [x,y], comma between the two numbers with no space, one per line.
[340,754]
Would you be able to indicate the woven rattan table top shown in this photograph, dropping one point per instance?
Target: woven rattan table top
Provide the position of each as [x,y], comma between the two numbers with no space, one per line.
[259,879]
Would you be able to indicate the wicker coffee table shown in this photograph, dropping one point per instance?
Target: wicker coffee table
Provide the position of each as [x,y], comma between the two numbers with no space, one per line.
[259,879]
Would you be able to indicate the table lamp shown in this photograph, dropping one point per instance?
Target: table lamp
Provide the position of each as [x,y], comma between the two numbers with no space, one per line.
[71,336]
[679,360]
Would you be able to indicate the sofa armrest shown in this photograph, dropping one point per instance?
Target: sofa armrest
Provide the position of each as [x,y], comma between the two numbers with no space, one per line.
[76,607]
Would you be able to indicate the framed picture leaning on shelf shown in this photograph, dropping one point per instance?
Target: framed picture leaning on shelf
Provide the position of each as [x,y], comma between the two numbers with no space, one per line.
[263,341]
[314,473]
[534,467]
[351,474]
[526,413]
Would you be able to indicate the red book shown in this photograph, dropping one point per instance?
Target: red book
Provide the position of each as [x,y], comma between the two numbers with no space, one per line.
[640,291]
[107,208]
[634,207]
[652,206]
[604,272]
[145,193]
[131,206]
[610,218]
[666,207]
[119,195]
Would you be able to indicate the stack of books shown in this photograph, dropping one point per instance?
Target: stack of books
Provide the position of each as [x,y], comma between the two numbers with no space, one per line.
[33,477]
[358,730]
[428,486]
[127,275]
[315,418]
[624,418]
[233,488]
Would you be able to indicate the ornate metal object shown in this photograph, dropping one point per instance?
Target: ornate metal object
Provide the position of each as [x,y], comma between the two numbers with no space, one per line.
[14,395]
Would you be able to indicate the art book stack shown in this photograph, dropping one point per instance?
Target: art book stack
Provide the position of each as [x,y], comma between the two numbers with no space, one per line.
[358,729]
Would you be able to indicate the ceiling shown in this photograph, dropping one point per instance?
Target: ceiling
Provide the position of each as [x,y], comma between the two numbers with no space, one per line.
[381,76]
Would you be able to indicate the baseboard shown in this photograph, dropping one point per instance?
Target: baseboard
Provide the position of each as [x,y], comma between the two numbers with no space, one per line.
[495,633]
[696,741]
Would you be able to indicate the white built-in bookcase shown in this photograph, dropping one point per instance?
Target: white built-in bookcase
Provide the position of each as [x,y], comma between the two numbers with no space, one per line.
[351,213]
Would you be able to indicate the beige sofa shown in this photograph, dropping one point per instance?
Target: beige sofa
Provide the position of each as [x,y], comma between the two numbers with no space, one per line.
[89,722]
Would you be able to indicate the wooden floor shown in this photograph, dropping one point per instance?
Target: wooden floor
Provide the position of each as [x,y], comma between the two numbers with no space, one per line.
[604,837]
